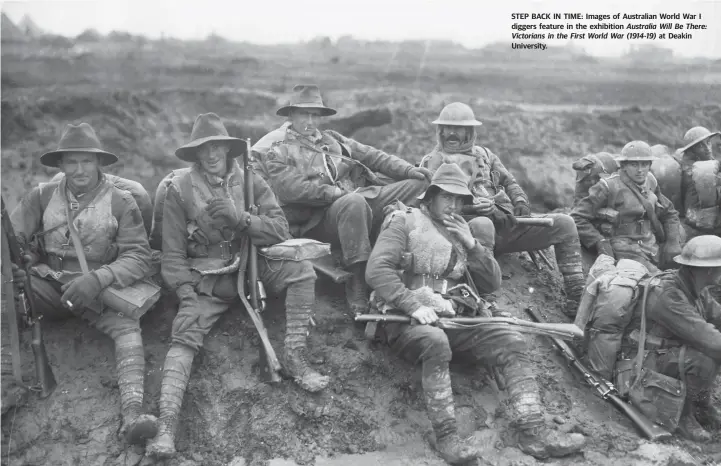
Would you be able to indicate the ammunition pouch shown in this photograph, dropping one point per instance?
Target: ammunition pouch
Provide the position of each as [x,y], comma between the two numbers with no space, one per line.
[660,397]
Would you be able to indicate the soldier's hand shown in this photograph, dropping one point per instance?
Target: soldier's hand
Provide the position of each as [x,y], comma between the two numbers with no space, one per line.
[420,173]
[460,229]
[19,277]
[224,210]
[425,315]
[81,292]
[521,210]
[482,206]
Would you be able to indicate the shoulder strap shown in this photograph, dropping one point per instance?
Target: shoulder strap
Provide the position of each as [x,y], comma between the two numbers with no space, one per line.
[76,238]
[46,195]
[642,339]
[650,211]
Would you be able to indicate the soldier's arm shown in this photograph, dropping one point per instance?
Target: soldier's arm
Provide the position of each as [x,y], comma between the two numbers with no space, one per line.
[586,211]
[133,259]
[680,317]
[668,215]
[174,266]
[26,217]
[484,268]
[377,160]
[383,272]
[507,180]
[291,185]
[270,225]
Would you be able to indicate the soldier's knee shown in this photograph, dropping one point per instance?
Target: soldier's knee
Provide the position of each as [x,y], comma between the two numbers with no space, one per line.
[483,230]
[298,271]
[353,203]
[565,225]
[701,365]
[434,342]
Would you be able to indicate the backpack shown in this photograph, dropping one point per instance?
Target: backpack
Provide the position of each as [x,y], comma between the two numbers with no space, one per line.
[589,171]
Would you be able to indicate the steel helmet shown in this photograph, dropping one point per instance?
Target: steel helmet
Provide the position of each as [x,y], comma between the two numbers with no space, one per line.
[636,151]
[695,135]
[457,114]
[701,251]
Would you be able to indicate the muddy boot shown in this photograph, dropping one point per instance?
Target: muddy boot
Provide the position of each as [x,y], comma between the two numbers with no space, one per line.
[707,412]
[176,373]
[689,427]
[441,412]
[534,437]
[300,298]
[130,363]
[568,258]
[356,290]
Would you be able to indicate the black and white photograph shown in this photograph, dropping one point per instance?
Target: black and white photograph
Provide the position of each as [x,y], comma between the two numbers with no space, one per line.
[360,233]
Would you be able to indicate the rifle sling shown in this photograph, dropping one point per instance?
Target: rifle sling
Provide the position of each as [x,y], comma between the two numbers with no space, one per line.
[76,239]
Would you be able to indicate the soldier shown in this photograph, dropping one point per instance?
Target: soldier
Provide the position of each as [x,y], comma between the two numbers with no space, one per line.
[206,229]
[437,246]
[110,227]
[499,197]
[683,317]
[320,180]
[638,221]
[700,185]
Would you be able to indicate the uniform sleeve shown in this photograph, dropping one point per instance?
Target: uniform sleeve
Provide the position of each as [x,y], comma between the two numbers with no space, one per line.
[383,271]
[174,265]
[507,180]
[484,269]
[586,211]
[291,185]
[133,259]
[270,225]
[26,217]
[673,310]
[377,160]
[668,216]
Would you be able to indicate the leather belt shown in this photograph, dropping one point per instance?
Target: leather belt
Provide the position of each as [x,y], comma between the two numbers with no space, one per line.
[434,282]
[70,264]
[223,250]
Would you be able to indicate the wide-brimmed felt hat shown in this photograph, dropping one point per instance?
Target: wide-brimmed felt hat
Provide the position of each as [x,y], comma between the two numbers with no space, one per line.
[305,96]
[80,138]
[696,135]
[207,128]
[450,178]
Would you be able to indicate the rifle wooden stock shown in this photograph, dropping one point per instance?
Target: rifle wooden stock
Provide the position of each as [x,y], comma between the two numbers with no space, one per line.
[536,221]
[270,366]
[43,371]
[606,389]
[565,331]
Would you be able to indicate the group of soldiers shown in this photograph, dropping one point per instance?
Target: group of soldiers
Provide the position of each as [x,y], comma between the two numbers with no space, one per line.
[406,233]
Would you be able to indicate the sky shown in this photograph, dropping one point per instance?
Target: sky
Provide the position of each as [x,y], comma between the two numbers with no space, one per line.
[473,23]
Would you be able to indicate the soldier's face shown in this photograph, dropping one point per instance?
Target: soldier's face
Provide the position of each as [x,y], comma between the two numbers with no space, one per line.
[702,150]
[305,120]
[81,170]
[636,170]
[213,157]
[444,204]
[454,136]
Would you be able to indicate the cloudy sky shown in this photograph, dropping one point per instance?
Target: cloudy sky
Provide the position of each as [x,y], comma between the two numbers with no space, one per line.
[470,22]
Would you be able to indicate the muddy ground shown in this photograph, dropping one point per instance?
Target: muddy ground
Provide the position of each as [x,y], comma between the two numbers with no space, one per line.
[142,99]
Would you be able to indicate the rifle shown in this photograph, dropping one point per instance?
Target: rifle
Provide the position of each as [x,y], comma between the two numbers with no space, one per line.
[606,389]
[563,331]
[270,366]
[43,371]
[535,221]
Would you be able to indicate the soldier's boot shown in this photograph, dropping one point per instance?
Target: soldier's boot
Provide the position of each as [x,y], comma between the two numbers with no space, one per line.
[534,437]
[176,373]
[299,301]
[356,290]
[130,363]
[689,427]
[13,394]
[707,413]
[441,412]
[568,258]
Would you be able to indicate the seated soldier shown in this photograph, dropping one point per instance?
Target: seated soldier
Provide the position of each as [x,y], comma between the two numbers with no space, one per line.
[700,184]
[110,227]
[320,180]
[637,217]
[442,247]
[499,197]
[205,237]
[683,318]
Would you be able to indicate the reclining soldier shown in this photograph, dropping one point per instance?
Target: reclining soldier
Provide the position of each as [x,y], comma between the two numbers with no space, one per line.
[683,317]
[700,184]
[321,180]
[205,233]
[499,197]
[434,247]
[626,216]
[110,227]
